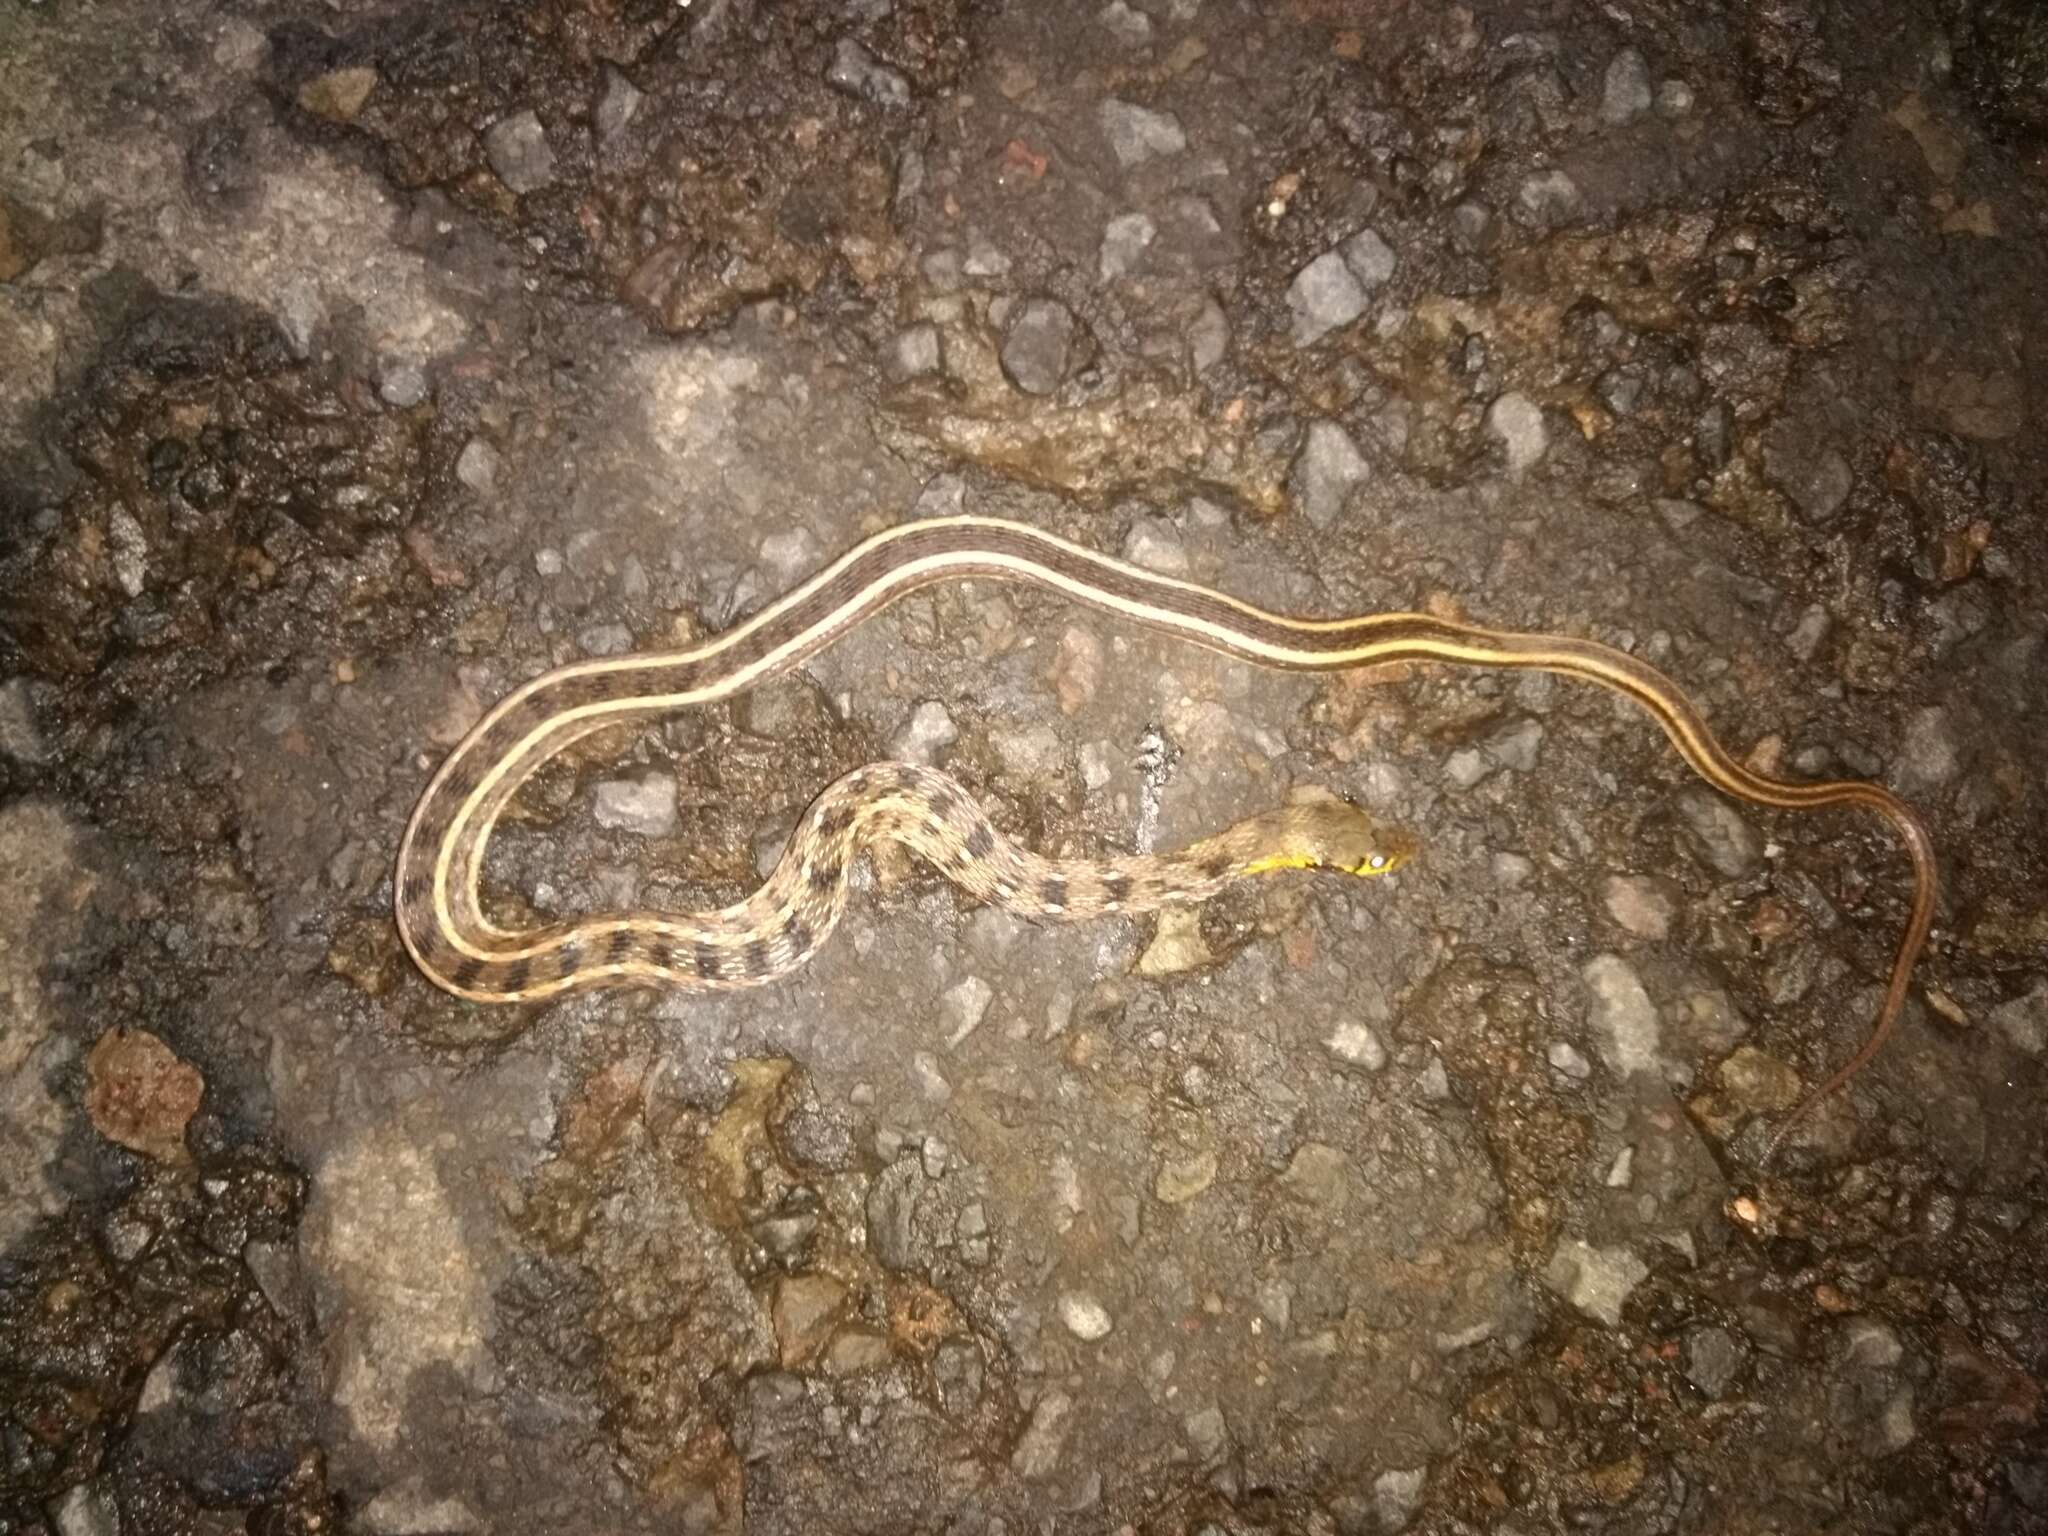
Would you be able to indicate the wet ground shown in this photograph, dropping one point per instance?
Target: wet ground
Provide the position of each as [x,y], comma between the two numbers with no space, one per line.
[358,362]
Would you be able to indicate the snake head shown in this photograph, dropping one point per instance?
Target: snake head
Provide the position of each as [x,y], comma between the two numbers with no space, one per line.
[1326,832]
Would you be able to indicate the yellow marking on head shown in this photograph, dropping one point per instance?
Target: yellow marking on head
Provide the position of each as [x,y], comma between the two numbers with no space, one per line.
[1279,861]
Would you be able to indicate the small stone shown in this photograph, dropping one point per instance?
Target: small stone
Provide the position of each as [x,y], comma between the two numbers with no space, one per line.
[1154,545]
[1757,1081]
[617,107]
[1674,98]
[1395,1496]
[1548,198]
[1626,96]
[1714,1360]
[1085,1317]
[88,1509]
[1816,477]
[1622,1014]
[1929,755]
[1435,1082]
[1566,1058]
[1323,296]
[1209,337]
[477,466]
[791,553]
[1325,472]
[1621,1173]
[1598,1281]
[914,352]
[1511,871]
[984,259]
[1811,633]
[1034,752]
[1137,134]
[1640,904]
[1356,1045]
[1518,422]
[19,738]
[891,1211]
[1471,224]
[1177,945]
[646,805]
[1466,767]
[1124,239]
[963,1007]
[928,732]
[140,1095]
[1077,674]
[605,640]
[804,1310]
[1181,1179]
[401,383]
[548,562]
[2024,1020]
[1045,1436]
[517,147]
[1207,1433]
[1731,845]
[339,94]
[1867,1344]
[1370,259]
[1132,26]
[1037,349]
[857,72]
[856,1351]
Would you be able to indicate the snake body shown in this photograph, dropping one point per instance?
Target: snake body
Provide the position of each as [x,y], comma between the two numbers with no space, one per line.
[441,855]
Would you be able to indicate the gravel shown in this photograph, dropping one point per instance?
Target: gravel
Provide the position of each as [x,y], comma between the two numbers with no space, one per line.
[646,805]
[1125,239]
[1325,472]
[518,149]
[1137,134]
[1623,1018]
[1597,1281]
[914,352]
[1626,94]
[857,72]
[1715,1360]
[1324,295]
[1356,1045]
[926,734]
[1729,844]
[1518,422]
[2024,1020]
[1037,346]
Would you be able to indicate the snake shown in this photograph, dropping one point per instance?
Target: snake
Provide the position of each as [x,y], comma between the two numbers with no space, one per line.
[458,947]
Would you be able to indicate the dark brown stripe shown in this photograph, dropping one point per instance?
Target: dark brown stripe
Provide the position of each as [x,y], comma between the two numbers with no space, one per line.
[1116,887]
[981,841]
[705,961]
[1053,891]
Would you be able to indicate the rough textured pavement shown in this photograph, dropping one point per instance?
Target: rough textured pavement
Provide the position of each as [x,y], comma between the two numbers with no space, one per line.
[360,361]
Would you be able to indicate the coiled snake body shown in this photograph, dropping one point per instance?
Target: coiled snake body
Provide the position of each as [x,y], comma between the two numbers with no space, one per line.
[779,926]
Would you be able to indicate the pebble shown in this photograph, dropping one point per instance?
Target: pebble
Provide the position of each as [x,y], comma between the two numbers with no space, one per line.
[1154,545]
[1621,1173]
[1548,198]
[1928,755]
[19,738]
[1816,477]
[1598,1281]
[1324,295]
[914,352]
[1177,945]
[984,258]
[1207,1433]
[1565,1057]
[1357,1045]
[1395,1496]
[548,561]
[2024,1020]
[1125,238]
[1471,224]
[1622,1015]
[89,1509]
[477,466]
[606,640]
[518,149]
[1209,337]
[1037,348]
[857,72]
[1811,633]
[803,1312]
[1085,1317]
[1731,846]
[1132,26]
[1518,422]
[1641,904]
[1325,472]
[1867,1344]
[1674,98]
[1180,1179]
[891,1211]
[617,107]
[963,1007]
[1511,871]
[1031,753]
[1045,1436]
[1626,95]
[1137,134]
[1466,767]
[855,1351]
[1435,1082]
[401,382]
[791,553]
[1758,1081]
[646,805]
[1076,675]
[1370,259]
[1715,1359]
[928,731]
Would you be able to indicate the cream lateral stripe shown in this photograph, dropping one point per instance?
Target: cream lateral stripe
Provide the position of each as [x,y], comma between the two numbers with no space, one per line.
[911,573]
